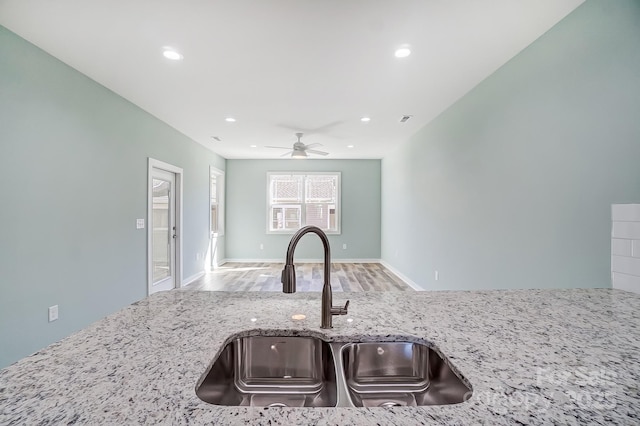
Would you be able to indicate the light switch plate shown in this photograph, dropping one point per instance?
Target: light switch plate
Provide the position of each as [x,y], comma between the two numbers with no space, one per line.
[139,223]
[53,313]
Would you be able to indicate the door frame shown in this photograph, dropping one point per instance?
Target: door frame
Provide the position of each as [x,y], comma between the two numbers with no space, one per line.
[161,165]
[212,261]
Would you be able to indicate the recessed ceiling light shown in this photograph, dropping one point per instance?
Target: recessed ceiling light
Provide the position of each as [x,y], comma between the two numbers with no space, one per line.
[365,119]
[230,120]
[253,146]
[172,54]
[350,146]
[402,52]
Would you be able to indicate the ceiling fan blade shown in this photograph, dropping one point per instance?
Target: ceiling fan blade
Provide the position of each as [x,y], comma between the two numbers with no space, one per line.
[313,151]
[278,147]
[286,154]
[312,145]
[328,126]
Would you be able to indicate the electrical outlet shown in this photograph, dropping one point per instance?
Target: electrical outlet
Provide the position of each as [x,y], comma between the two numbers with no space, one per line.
[344,246]
[436,275]
[261,246]
[139,223]
[53,313]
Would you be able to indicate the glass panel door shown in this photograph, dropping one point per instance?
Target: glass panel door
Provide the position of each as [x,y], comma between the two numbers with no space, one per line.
[163,230]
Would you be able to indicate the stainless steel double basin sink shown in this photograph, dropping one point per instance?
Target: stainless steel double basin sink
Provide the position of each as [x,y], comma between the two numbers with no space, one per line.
[301,371]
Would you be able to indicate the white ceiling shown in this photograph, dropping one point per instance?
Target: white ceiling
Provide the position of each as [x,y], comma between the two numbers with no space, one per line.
[281,66]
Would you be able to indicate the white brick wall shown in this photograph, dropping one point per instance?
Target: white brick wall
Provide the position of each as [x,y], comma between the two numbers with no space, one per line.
[625,247]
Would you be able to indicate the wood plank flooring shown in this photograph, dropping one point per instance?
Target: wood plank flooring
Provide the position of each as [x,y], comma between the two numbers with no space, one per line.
[266,277]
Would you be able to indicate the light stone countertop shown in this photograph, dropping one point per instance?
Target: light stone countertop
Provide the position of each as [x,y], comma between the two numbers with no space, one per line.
[532,357]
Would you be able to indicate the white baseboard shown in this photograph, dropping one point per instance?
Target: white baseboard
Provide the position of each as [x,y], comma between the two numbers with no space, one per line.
[403,277]
[281,260]
[192,278]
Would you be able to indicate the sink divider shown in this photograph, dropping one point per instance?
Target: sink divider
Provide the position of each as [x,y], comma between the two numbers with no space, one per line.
[343,398]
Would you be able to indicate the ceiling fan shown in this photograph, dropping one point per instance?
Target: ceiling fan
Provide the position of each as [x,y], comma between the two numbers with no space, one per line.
[299,149]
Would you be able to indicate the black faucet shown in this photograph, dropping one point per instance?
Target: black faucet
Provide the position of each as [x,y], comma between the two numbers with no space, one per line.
[289,275]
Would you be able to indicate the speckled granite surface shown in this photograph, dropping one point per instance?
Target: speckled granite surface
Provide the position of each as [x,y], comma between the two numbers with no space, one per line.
[532,357]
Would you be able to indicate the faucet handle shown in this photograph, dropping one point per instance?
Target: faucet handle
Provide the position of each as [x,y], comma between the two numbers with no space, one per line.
[337,310]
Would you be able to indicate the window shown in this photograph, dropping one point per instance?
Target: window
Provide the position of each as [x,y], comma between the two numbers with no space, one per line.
[295,200]
[216,192]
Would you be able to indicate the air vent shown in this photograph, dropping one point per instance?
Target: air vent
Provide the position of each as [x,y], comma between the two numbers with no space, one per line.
[405,118]
[216,138]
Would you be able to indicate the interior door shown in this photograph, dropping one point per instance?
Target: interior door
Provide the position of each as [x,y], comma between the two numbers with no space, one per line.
[163,230]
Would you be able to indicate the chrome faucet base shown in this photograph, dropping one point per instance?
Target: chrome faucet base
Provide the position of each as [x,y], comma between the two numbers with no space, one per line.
[289,276]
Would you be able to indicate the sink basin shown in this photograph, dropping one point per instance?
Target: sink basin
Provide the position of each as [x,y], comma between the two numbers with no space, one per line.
[268,371]
[386,374]
[271,371]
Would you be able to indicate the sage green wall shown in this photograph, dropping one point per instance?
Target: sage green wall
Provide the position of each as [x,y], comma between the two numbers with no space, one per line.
[247,210]
[512,186]
[73,164]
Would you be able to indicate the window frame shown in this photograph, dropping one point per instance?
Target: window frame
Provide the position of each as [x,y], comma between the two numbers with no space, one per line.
[303,210]
[220,195]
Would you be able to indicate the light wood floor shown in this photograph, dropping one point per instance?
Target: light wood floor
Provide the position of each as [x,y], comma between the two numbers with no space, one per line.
[266,277]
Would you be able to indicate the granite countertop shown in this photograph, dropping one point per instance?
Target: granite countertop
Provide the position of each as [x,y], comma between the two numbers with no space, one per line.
[532,356]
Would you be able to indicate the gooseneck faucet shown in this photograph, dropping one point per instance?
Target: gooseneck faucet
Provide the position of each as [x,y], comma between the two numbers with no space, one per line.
[289,275]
